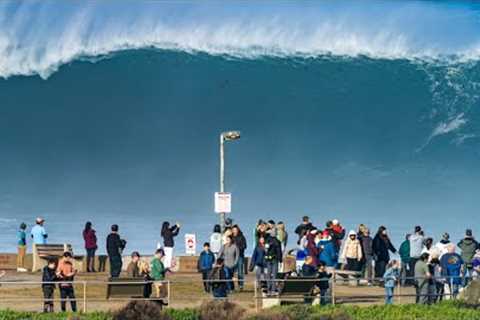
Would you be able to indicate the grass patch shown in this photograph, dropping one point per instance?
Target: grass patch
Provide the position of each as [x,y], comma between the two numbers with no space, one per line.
[218,311]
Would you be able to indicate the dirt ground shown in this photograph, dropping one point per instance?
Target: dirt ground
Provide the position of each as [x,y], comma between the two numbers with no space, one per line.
[186,291]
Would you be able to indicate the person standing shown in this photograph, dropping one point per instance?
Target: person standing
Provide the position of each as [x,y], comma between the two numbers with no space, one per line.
[352,252]
[90,238]
[22,247]
[416,246]
[133,268]
[205,263]
[39,234]
[452,266]
[442,245]
[468,245]
[115,247]
[422,279]
[257,262]
[168,234]
[241,243]
[158,272]
[216,240]
[405,271]
[230,255]
[381,247]
[367,249]
[303,228]
[390,278]
[66,274]
[272,258]
[49,276]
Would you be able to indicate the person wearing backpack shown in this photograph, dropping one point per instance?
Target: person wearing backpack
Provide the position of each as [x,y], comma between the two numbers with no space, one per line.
[218,280]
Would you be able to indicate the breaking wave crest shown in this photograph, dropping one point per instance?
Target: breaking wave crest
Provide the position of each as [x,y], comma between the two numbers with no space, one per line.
[39,37]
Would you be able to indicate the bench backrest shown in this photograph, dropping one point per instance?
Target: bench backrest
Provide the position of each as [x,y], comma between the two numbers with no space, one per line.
[298,286]
[52,250]
[125,288]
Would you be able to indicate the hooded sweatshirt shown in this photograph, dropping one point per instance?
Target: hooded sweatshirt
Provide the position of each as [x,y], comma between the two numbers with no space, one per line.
[416,245]
[468,247]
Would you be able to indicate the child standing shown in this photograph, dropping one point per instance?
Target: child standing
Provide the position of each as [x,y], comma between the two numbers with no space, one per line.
[390,278]
[323,284]
[158,272]
[205,265]
[48,287]
[22,247]
[66,274]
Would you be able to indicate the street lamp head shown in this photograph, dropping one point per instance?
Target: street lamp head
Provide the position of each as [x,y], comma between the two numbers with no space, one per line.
[231,135]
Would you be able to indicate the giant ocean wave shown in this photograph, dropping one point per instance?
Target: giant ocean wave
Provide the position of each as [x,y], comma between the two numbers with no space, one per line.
[38,37]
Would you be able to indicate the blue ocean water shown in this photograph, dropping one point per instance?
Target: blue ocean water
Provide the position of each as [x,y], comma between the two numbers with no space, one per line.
[111,113]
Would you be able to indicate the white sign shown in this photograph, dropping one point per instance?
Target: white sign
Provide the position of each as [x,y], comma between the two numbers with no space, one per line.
[190,244]
[223,202]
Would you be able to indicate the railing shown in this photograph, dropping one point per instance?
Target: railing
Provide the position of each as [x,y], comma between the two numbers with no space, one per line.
[258,297]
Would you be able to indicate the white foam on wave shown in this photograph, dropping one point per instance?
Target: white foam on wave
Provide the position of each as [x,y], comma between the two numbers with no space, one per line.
[38,37]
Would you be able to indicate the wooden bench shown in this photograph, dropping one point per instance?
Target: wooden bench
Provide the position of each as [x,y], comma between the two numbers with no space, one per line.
[125,288]
[44,252]
[352,277]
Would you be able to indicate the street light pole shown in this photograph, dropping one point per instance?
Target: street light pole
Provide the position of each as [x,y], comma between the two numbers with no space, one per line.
[225,136]
[222,177]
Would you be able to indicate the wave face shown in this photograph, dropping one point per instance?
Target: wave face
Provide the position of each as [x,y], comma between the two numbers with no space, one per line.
[344,121]
[37,37]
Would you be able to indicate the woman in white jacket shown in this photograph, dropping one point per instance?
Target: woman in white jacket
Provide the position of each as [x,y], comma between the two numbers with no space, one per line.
[352,252]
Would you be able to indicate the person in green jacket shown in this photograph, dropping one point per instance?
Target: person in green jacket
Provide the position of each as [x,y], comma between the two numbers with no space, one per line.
[404,253]
[158,271]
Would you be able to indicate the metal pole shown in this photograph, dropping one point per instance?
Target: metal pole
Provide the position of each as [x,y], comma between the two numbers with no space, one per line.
[84,297]
[222,177]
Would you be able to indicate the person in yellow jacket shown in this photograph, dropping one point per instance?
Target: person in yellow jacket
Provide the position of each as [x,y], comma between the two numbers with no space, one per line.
[352,252]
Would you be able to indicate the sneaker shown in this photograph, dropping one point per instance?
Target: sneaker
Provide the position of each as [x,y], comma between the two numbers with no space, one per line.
[22,270]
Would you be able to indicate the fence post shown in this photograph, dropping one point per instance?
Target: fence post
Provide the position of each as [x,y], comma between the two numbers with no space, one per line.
[399,291]
[255,289]
[84,296]
[334,278]
[168,292]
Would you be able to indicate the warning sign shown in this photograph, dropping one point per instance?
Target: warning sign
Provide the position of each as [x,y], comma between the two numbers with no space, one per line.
[190,244]
[223,202]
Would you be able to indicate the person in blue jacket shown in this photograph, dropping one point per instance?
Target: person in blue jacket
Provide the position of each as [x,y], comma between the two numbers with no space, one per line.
[205,265]
[328,253]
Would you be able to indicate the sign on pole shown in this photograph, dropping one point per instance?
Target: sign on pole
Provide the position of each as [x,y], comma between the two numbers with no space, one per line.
[190,244]
[223,202]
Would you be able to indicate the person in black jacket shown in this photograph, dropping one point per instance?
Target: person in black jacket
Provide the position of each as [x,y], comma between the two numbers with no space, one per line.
[381,246]
[168,233]
[218,279]
[303,228]
[48,287]
[241,243]
[115,246]
[273,258]
[324,282]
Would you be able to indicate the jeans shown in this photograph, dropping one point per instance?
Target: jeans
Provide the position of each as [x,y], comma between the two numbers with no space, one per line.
[272,272]
[206,284]
[115,266]
[240,268]
[323,296]
[91,260]
[229,277]
[368,267]
[389,295]
[67,292]
[48,298]
[405,273]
